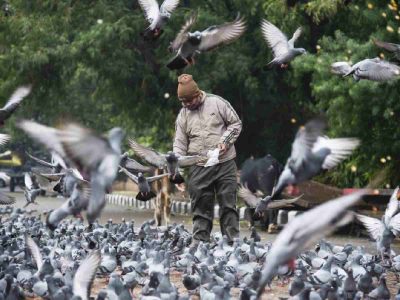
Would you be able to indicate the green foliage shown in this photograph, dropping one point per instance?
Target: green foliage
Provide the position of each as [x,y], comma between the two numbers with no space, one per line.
[88,62]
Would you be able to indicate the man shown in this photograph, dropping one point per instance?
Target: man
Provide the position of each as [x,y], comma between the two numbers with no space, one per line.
[206,122]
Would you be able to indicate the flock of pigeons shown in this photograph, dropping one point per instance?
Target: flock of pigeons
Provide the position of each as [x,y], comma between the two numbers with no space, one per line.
[60,259]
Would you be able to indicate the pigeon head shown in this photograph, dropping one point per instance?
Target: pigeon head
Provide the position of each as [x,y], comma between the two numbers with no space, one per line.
[300,51]
[195,37]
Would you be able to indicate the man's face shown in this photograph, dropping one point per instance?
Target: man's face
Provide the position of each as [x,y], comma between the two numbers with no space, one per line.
[191,103]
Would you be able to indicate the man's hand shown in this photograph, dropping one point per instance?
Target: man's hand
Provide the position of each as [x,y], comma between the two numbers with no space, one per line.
[181,187]
[222,148]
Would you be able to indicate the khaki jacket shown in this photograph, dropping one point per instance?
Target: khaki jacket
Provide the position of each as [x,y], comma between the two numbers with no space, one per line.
[213,122]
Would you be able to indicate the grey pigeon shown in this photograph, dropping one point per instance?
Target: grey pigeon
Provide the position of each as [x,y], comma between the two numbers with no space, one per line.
[187,44]
[171,161]
[5,199]
[311,153]
[385,231]
[31,191]
[145,193]
[85,275]
[93,155]
[13,102]
[303,230]
[133,165]
[391,47]
[284,50]
[381,292]
[157,16]
[77,202]
[374,69]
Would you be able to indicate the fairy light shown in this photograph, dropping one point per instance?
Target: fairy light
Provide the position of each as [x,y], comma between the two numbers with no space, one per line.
[353,168]
[389,28]
[293,120]
[166,95]
[370,5]
[384,15]
[387,186]
[388,157]
[381,55]
[99,21]
[383,160]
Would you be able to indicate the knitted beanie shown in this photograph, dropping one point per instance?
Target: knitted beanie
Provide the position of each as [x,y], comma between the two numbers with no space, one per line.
[187,87]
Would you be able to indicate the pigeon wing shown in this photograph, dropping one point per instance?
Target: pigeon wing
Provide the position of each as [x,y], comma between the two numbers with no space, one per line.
[215,36]
[157,177]
[182,36]
[130,163]
[305,139]
[28,181]
[387,46]
[85,275]
[4,138]
[392,207]
[151,156]
[340,68]
[150,8]
[35,251]
[40,161]
[187,161]
[295,36]
[248,197]
[340,149]
[374,226]
[275,38]
[129,174]
[19,94]
[48,136]
[283,202]
[169,6]
[83,147]
[378,70]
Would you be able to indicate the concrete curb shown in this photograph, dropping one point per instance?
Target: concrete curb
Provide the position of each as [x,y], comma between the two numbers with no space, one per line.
[178,207]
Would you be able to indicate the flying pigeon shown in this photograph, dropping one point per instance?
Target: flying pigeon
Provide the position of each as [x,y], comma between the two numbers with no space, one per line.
[145,192]
[93,155]
[391,47]
[157,16]
[12,104]
[304,230]
[187,44]
[374,69]
[130,163]
[31,190]
[171,161]
[253,200]
[384,231]
[311,152]
[284,50]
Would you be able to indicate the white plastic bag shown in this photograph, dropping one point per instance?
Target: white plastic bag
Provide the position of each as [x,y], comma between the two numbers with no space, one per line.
[212,158]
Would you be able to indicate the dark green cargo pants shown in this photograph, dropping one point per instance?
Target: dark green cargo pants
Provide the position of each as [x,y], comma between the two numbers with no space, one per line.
[206,185]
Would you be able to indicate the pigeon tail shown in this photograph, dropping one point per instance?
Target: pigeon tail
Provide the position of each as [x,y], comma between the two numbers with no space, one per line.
[177,63]
[177,178]
[151,34]
[145,197]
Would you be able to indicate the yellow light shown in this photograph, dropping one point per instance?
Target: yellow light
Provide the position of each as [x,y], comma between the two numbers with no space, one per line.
[349,51]
[356,7]
[293,120]
[387,186]
[318,47]
[388,157]
[383,160]
[166,95]
[376,192]
[391,7]
[384,15]
[381,55]
[397,17]
[389,28]
[353,168]
[391,113]
[370,6]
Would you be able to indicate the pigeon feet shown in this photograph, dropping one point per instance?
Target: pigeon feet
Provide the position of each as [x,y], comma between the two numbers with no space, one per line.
[284,66]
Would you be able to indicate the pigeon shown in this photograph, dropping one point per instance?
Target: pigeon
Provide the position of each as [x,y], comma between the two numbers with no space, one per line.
[77,202]
[311,152]
[252,200]
[303,230]
[93,155]
[284,50]
[374,69]
[187,44]
[4,139]
[31,191]
[12,104]
[170,161]
[381,292]
[391,47]
[85,275]
[145,192]
[57,164]
[157,16]
[385,231]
